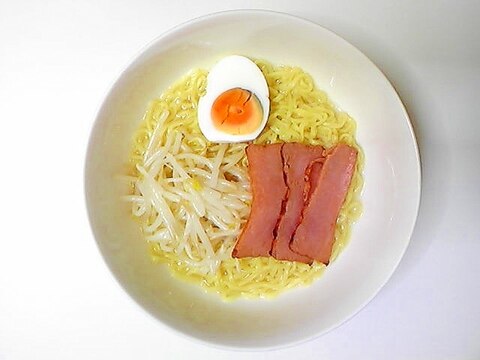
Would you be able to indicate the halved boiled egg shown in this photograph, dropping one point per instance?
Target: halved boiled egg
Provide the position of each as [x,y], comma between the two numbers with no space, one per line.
[235,106]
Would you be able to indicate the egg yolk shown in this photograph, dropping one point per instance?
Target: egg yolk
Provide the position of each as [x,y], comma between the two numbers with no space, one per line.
[237,111]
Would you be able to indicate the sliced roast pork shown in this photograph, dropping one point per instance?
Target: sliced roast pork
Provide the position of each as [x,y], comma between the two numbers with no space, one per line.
[297,159]
[314,236]
[265,169]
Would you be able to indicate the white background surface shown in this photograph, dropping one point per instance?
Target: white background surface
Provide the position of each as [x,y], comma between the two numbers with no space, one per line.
[57,298]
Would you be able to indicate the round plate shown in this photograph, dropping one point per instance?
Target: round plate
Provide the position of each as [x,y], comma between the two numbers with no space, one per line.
[390,197]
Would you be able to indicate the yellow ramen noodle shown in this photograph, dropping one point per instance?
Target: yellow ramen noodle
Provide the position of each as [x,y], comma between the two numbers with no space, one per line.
[192,197]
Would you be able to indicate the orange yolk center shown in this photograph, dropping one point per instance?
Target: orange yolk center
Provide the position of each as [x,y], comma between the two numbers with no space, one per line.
[237,111]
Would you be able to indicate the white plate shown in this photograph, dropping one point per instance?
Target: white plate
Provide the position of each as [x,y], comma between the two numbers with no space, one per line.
[391,193]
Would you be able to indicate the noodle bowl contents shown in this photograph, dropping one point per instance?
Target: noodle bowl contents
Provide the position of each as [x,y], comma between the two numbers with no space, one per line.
[196,199]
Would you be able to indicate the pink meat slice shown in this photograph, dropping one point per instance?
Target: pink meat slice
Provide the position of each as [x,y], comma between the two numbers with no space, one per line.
[265,169]
[312,176]
[297,158]
[315,235]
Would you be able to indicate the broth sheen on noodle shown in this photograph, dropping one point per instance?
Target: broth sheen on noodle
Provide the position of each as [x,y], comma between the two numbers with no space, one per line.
[193,197]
